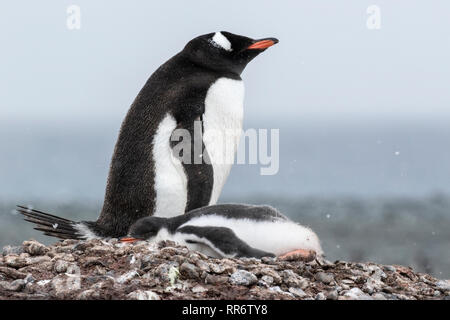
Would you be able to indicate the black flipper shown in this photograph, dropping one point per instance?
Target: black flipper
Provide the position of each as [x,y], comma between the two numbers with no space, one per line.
[223,239]
[51,225]
[197,165]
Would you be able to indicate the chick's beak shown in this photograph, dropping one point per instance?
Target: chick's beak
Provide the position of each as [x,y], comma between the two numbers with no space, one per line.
[129,239]
[263,44]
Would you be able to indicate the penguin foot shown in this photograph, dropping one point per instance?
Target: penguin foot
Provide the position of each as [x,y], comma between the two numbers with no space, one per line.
[129,239]
[299,254]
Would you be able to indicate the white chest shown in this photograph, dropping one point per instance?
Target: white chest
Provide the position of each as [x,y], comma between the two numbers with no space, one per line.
[170,178]
[222,123]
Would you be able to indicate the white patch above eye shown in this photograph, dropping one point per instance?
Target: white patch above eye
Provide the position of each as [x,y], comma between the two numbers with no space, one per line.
[219,40]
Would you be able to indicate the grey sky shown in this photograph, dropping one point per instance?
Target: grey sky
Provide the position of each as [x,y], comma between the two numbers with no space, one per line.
[327,62]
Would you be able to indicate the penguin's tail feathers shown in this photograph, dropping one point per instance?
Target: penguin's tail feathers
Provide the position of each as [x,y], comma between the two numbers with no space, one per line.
[51,225]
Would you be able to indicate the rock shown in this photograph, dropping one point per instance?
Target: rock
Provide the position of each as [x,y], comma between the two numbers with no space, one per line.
[376,273]
[356,294]
[143,295]
[297,292]
[37,260]
[390,268]
[100,250]
[127,276]
[189,270]
[14,261]
[213,279]
[65,285]
[333,295]
[12,273]
[217,268]
[277,279]
[266,281]
[8,250]
[320,296]
[293,280]
[43,282]
[203,266]
[16,285]
[323,277]
[73,268]
[108,269]
[89,294]
[379,296]
[277,289]
[443,285]
[34,248]
[29,278]
[61,266]
[243,278]
[199,289]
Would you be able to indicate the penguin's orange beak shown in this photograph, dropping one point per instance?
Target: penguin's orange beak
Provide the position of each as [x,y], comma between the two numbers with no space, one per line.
[130,240]
[263,44]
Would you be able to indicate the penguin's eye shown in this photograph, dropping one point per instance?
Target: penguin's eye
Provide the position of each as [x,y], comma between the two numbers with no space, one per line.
[220,41]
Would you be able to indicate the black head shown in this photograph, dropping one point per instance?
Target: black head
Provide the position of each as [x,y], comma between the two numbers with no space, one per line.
[144,229]
[225,51]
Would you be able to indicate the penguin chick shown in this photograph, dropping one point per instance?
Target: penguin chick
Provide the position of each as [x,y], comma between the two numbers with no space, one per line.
[231,230]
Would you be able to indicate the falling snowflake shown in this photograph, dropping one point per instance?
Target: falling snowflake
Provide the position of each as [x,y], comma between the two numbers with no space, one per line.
[328,216]
[397,153]
[55,226]
[338,246]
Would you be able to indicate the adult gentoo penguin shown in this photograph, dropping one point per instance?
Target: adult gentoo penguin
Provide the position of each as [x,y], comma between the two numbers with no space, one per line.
[200,87]
[231,230]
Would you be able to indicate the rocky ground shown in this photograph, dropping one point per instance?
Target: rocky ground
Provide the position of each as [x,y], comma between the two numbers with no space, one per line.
[112,270]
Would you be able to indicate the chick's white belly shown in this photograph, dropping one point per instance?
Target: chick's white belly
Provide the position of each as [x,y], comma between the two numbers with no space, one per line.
[277,237]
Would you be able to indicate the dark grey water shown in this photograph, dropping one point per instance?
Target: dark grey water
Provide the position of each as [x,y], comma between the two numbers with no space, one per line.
[377,191]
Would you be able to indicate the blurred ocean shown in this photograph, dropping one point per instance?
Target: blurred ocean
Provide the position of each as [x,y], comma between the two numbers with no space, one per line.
[377,192]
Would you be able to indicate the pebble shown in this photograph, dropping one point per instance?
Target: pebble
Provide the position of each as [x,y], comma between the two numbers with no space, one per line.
[34,248]
[379,296]
[213,279]
[390,268]
[29,278]
[217,268]
[143,295]
[333,295]
[443,285]
[277,279]
[89,294]
[243,278]
[189,270]
[127,276]
[277,289]
[357,294]
[323,277]
[12,273]
[199,289]
[16,285]
[266,281]
[108,269]
[297,292]
[61,266]
[320,296]
[7,250]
